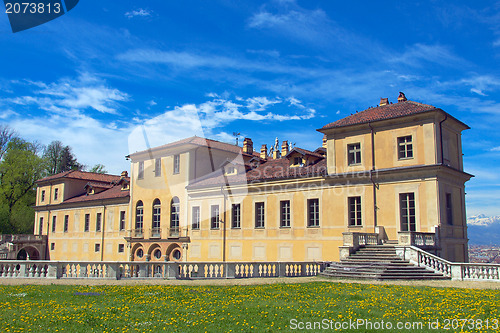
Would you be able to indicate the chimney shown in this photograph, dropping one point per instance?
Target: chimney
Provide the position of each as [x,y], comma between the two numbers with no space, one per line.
[384,101]
[276,154]
[263,152]
[124,174]
[284,148]
[248,146]
[324,141]
[402,97]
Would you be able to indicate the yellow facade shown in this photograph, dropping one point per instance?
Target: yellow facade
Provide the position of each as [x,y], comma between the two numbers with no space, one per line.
[400,170]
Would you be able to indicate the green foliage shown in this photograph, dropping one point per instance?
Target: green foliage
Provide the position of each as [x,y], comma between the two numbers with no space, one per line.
[60,158]
[20,167]
[98,168]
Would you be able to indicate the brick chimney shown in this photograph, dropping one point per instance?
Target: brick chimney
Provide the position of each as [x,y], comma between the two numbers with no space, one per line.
[402,97]
[284,148]
[263,152]
[248,146]
[324,145]
[384,101]
[124,174]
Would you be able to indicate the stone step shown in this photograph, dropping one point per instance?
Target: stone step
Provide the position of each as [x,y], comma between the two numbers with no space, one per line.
[379,262]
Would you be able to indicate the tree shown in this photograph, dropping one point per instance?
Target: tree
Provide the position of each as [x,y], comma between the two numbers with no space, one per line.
[98,168]
[60,158]
[6,135]
[20,168]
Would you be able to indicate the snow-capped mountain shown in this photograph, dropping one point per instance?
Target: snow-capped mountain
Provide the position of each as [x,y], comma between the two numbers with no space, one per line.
[482,219]
[483,230]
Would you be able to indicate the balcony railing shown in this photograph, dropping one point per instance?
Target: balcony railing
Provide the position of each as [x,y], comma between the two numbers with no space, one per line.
[155,233]
[162,270]
[137,233]
[174,232]
[425,240]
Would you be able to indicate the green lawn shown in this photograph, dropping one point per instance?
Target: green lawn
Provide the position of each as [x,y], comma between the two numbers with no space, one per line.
[254,308]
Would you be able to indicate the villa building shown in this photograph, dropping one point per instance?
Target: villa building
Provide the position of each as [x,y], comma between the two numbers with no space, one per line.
[391,169]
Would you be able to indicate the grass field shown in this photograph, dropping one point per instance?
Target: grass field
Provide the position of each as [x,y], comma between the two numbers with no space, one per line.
[253,308]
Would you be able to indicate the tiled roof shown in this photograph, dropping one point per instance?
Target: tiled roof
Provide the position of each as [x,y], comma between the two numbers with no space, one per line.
[99,184]
[304,152]
[113,193]
[75,174]
[199,141]
[272,169]
[388,111]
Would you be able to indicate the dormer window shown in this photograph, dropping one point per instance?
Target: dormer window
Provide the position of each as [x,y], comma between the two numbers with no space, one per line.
[297,161]
[231,170]
[125,186]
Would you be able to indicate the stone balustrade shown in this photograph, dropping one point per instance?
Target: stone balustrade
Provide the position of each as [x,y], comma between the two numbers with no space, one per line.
[164,270]
[454,270]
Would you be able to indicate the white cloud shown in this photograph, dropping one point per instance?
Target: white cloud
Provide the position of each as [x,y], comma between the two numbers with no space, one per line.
[140,12]
[5,114]
[418,54]
[68,95]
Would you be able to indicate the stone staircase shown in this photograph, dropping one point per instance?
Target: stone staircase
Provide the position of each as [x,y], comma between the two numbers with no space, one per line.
[379,262]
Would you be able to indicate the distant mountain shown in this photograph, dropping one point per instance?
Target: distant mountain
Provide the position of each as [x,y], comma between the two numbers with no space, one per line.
[483,230]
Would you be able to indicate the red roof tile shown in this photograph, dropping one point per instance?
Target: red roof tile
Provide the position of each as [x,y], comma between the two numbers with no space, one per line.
[90,176]
[389,111]
[304,152]
[199,141]
[113,193]
[269,170]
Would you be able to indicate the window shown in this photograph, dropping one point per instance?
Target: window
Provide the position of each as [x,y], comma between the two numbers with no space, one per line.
[313,212]
[407,206]
[158,167]
[40,226]
[54,220]
[87,223]
[98,222]
[405,147]
[259,215]
[56,193]
[122,220]
[230,170]
[174,213]
[156,215]
[43,195]
[177,164]
[354,153]
[355,211]
[157,254]
[139,253]
[66,223]
[121,248]
[449,211]
[236,216]
[52,246]
[140,173]
[297,160]
[214,217]
[139,215]
[97,248]
[285,214]
[196,218]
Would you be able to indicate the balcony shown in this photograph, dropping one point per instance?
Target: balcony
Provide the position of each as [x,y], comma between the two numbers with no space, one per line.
[137,233]
[173,232]
[155,233]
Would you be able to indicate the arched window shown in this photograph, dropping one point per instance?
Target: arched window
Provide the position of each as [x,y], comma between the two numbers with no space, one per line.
[156,231]
[174,213]
[156,213]
[139,215]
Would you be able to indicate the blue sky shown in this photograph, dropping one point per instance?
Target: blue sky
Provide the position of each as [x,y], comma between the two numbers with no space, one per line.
[100,76]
